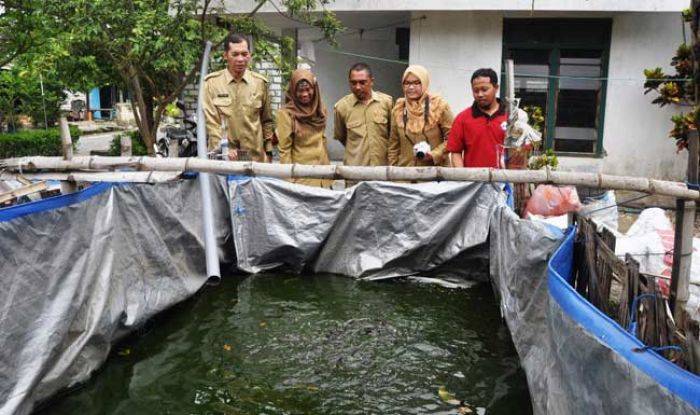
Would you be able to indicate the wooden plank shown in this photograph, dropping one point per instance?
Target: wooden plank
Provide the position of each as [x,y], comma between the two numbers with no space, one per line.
[609,266]
[634,287]
[633,272]
[606,263]
[23,180]
[692,344]
[590,246]
[580,267]
[618,266]
[623,307]
[22,191]
[660,316]
[650,334]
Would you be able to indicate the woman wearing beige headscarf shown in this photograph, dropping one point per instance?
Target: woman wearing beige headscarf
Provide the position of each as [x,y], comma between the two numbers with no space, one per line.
[300,126]
[419,117]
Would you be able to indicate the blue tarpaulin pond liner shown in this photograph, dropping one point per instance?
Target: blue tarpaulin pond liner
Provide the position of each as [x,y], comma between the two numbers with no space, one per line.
[81,271]
[656,379]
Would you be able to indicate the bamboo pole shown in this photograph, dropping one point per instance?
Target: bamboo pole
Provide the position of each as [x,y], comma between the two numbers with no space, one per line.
[99,176]
[682,257]
[22,191]
[379,173]
[66,141]
[125,145]
[67,149]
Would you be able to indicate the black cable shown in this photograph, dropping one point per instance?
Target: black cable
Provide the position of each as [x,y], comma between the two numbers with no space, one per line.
[617,204]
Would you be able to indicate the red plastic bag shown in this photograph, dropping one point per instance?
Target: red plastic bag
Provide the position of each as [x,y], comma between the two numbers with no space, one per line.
[550,200]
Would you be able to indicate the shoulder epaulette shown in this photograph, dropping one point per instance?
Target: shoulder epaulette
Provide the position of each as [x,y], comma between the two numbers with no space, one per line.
[262,77]
[342,100]
[385,96]
[213,75]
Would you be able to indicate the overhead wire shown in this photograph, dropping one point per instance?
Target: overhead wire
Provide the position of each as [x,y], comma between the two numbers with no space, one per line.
[361,31]
[517,74]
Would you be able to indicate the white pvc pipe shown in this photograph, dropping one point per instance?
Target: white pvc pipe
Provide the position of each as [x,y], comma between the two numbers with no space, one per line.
[210,247]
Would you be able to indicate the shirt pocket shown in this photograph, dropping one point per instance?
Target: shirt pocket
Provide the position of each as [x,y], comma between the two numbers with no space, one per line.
[223,105]
[380,118]
[381,122]
[255,103]
[356,127]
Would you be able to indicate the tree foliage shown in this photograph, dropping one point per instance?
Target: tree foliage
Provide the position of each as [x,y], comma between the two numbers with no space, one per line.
[21,24]
[21,94]
[677,89]
[151,48]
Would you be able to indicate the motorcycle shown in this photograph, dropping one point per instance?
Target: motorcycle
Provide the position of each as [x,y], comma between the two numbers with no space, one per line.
[183,132]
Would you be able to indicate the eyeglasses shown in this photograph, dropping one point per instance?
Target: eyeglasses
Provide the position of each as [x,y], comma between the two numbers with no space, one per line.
[411,83]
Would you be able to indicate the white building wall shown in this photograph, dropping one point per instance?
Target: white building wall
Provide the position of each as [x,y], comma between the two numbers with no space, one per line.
[636,132]
[452,46]
[331,67]
[635,137]
[245,6]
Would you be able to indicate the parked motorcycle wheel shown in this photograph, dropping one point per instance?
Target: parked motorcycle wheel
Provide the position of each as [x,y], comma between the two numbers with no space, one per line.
[161,148]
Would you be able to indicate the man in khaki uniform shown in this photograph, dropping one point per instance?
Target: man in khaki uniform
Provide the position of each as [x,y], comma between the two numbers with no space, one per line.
[362,120]
[240,97]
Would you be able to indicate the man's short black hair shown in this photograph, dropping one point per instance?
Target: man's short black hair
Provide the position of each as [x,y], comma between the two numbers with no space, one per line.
[486,73]
[236,38]
[360,66]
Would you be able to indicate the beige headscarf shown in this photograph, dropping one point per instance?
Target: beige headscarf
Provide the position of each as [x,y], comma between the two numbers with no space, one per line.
[307,118]
[415,109]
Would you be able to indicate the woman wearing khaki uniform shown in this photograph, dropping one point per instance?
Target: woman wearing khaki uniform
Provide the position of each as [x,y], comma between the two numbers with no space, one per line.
[419,116]
[300,126]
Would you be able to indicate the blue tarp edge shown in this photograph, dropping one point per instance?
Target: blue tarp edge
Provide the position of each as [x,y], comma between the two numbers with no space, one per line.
[684,384]
[43,205]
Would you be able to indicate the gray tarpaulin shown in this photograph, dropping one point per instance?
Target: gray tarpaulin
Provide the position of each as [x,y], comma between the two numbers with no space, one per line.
[373,230]
[79,271]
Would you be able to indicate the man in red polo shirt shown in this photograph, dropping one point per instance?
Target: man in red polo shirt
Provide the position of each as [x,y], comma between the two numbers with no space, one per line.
[476,137]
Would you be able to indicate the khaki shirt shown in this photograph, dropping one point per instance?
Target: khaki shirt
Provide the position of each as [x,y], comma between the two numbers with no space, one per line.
[246,105]
[301,149]
[401,141]
[364,129]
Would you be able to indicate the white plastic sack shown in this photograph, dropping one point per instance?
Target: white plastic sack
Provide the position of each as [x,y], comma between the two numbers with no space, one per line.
[648,240]
[561,221]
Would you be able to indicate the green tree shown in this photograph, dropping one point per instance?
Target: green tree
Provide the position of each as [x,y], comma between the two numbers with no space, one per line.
[21,93]
[151,48]
[680,88]
[20,28]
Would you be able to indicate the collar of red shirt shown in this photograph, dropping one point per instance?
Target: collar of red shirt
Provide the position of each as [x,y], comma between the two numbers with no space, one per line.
[477,112]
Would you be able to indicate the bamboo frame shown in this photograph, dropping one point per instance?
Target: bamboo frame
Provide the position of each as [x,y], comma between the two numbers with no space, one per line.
[22,191]
[379,173]
[101,176]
